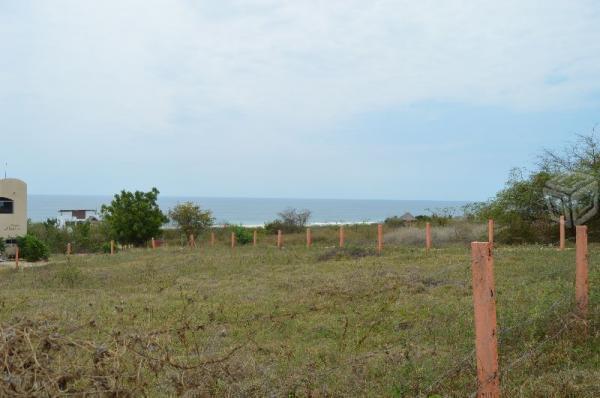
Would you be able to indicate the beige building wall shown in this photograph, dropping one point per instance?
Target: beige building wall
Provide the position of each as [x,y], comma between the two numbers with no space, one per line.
[13,222]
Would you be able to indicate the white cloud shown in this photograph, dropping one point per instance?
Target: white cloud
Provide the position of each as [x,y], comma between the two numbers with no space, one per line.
[266,73]
[144,64]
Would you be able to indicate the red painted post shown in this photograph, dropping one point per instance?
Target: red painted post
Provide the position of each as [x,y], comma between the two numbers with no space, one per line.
[112,247]
[17,257]
[232,240]
[279,239]
[428,236]
[491,232]
[255,238]
[342,237]
[561,223]
[581,272]
[484,301]
[379,238]
[308,237]
[212,238]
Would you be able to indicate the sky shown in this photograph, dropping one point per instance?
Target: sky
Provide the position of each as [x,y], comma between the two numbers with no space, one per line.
[308,99]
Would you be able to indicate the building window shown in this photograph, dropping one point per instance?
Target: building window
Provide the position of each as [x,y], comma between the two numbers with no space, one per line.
[6,206]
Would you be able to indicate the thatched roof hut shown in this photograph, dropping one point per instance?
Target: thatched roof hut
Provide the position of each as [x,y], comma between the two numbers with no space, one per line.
[408,218]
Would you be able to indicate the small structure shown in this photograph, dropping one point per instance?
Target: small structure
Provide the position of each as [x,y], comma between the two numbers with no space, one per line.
[408,219]
[77,216]
[13,208]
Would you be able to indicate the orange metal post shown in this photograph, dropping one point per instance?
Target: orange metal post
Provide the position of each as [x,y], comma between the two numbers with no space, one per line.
[484,300]
[279,239]
[153,243]
[17,257]
[255,238]
[491,232]
[308,237]
[342,236]
[112,247]
[379,238]
[68,249]
[428,236]
[581,272]
[561,223]
[232,240]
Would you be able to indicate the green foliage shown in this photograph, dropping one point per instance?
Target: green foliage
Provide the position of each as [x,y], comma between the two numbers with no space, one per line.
[191,219]
[32,249]
[394,222]
[243,236]
[134,218]
[2,246]
[85,237]
[289,221]
[520,209]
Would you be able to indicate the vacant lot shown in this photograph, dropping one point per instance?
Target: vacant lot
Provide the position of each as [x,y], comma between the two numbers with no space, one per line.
[292,322]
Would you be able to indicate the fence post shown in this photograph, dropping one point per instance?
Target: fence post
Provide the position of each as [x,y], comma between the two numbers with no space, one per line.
[308,237]
[491,232]
[342,236]
[192,241]
[232,240]
[255,238]
[428,236]
[212,238]
[153,243]
[379,238]
[581,273]
[279,239]
[484,301]
[17,257]
[561,223]
[112,247]
[69,249]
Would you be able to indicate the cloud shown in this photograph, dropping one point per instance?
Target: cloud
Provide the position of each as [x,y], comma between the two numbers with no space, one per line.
[269,74]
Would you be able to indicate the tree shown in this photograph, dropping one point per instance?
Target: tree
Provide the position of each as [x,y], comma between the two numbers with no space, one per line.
[191,219]
[290,220]
[134,218]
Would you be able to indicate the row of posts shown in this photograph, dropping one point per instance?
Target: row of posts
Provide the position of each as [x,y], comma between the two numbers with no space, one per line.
[309,239]
[341,234]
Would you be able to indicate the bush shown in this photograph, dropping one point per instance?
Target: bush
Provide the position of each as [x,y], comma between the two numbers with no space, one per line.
[191,219]
[134,217]
[32,249]
[2,246]
[243,236]
[289,221]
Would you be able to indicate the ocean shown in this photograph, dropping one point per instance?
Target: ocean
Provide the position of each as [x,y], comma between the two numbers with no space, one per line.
[256,211]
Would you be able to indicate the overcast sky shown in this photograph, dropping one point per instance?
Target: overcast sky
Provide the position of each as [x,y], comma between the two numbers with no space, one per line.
[314,99]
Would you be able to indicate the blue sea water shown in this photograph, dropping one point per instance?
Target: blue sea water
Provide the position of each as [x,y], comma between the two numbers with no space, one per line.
[255,211]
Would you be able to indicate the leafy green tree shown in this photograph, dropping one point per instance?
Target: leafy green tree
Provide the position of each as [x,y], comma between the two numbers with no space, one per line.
[32,249]
[191,219]
[134,218]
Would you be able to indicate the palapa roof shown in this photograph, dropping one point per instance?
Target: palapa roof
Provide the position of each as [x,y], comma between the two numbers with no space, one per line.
[408,217]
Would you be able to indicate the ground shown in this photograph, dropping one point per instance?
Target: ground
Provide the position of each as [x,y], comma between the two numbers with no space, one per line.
[293,322]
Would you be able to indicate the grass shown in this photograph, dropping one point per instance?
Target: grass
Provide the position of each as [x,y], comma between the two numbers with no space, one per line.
[293,322]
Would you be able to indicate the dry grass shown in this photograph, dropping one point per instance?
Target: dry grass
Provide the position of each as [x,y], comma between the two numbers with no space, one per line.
[458,232]
[291,322]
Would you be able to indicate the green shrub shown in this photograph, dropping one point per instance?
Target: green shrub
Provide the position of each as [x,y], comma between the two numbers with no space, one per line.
[243,236]
[32,249]
[290,221]
[69,275]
